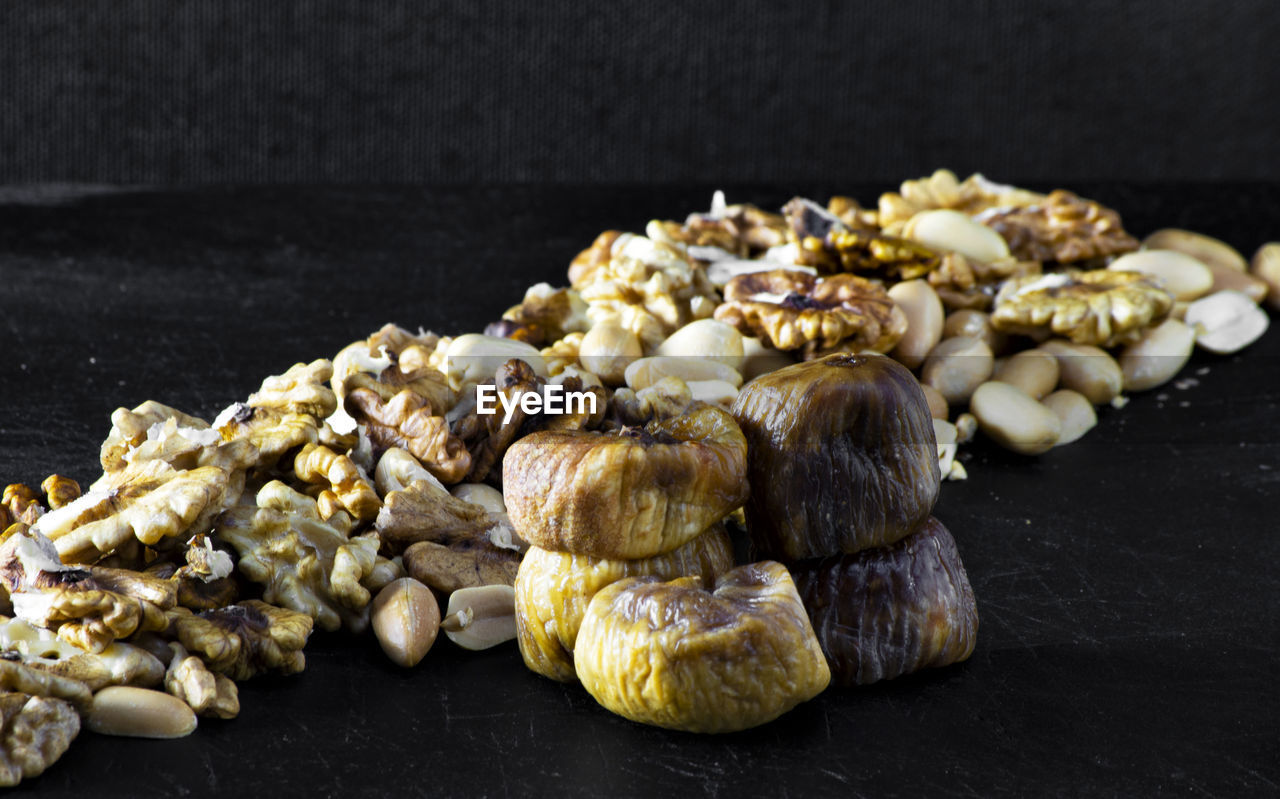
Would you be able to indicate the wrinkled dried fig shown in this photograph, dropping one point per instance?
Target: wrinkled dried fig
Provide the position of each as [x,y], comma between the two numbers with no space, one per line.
[841,456]
[632,494]
[553,590]
[676,655]
[882,613]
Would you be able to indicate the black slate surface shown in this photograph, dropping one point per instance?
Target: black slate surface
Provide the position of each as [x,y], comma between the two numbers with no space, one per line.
[1127,586]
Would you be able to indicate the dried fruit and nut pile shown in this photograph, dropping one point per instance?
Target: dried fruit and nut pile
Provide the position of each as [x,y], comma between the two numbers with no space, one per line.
[739,515]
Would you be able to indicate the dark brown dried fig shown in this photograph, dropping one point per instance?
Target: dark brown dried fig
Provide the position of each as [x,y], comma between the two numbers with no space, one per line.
[841,456]
[886,612]
[635,493]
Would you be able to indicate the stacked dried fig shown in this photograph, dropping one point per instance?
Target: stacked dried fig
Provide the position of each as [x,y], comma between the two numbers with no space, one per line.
[843,470]
[629,585]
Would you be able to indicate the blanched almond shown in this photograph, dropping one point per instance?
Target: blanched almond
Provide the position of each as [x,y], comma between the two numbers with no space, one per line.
[139,713]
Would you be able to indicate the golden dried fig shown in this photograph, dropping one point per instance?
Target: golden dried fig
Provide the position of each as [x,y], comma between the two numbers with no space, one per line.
[633,493]
[553,590]
[841,456]
[882,613]
[679,656]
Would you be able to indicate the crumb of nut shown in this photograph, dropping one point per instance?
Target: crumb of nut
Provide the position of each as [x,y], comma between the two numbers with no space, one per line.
[206,693]
[793,310]
[1063,228]
[34,732]
[1099,307]
[22,503]
[59,490]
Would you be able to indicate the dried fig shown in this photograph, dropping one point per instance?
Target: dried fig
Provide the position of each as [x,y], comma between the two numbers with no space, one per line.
[679,656]
[841,456]
[553,590]
[886,612]
[634,493]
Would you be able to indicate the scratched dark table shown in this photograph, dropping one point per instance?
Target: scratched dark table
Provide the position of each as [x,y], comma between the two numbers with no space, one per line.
[1127,584]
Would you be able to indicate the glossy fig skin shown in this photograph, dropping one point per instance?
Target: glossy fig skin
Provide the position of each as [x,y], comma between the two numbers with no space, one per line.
[630,494]
[841,456]
[883,613]
[676,655]
[553,590]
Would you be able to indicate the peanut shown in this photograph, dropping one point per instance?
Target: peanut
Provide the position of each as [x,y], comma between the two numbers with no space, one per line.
[405,619]
[1178,273]
[1226,322]
[1033,371]
[1075,412]
[481,617]
[925,314]
[957,366]
[1014,420]
[1155,358]
[1088,370]
[706,338]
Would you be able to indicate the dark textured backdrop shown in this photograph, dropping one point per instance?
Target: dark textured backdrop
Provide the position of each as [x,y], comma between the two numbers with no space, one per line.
[638,91]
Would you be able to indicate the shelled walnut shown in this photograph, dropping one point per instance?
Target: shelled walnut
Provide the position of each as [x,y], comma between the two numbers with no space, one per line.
[304,562]
[245,639]
[1100,307]
[1063,228]
[797,311]
[828,244]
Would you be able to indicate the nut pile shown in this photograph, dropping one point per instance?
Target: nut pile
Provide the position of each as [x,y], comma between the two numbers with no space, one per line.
[735,369]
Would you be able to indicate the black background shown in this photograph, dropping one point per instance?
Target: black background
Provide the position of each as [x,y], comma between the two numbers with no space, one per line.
[637,91]
[1126,584]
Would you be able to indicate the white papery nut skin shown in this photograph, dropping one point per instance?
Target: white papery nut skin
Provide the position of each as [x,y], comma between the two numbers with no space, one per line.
[1155,358]
[706,338]
[1086,369]
[943,229]
[1178,273]
[1074,411]
[608,349]
[957,366]
[1033,371]
[925,316]
[1226,322]
[1014,420]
